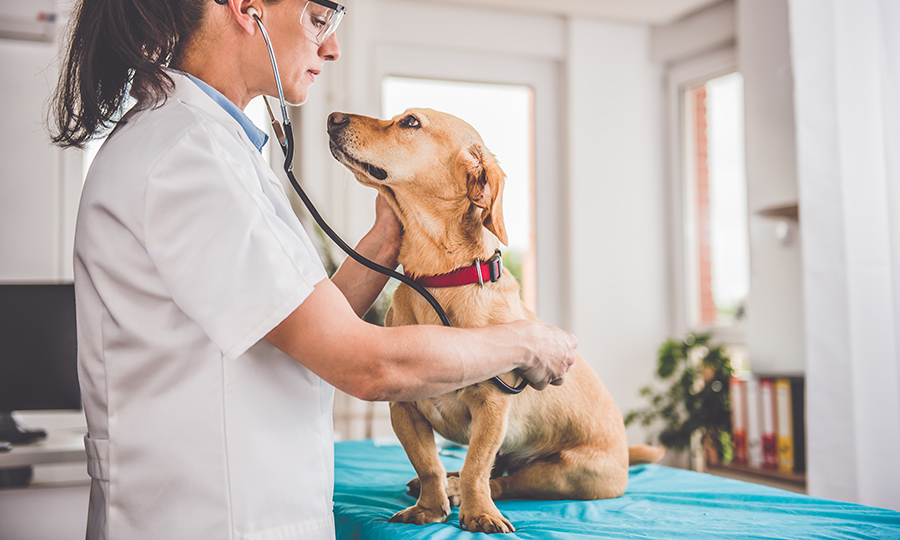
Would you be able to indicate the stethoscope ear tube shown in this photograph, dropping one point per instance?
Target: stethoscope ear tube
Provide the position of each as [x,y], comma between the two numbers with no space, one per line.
[288,169]
[287,146]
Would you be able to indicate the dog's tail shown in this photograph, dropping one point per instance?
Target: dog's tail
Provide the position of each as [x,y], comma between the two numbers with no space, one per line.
[645,454]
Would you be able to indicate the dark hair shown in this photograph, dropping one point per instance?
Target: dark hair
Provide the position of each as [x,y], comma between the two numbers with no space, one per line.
[118,47]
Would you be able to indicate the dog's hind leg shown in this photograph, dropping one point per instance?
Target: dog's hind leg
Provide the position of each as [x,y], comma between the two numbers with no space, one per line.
[417,438]
[581,473]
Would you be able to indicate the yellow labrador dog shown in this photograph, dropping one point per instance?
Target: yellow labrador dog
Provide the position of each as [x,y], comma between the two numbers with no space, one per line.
[565,442]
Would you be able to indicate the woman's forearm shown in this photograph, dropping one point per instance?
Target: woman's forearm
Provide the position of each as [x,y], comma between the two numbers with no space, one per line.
[424,361]
[411,362]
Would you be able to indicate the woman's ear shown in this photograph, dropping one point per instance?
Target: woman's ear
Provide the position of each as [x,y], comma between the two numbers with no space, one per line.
[484,186]
[242,11]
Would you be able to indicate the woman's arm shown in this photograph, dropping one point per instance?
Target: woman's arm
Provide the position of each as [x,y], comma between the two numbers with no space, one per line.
[413,362]
[360,285]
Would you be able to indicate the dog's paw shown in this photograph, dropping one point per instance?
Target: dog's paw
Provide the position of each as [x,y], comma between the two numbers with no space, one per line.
[486,523]
[419,515]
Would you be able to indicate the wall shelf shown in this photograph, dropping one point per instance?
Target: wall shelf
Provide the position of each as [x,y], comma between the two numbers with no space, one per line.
[796,479]
[785,211]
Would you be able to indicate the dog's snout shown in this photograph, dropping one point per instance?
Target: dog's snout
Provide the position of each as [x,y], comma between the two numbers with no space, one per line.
[337,121]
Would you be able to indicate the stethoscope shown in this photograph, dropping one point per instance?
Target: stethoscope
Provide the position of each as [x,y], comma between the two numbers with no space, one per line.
[285,136]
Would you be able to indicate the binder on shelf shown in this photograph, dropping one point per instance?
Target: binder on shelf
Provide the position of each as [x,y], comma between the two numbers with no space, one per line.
[784,425]
[798,418]
[768,423]
[737,398]
[754,440]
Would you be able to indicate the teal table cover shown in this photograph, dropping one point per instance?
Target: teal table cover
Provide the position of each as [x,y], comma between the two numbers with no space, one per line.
[661,502]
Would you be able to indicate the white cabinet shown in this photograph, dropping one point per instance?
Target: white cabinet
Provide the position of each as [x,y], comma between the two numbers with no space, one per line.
[39,184]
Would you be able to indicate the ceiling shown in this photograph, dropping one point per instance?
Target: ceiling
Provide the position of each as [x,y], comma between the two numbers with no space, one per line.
[654,12]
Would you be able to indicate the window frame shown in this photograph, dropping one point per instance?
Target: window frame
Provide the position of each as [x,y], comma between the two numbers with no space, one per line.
[680,76]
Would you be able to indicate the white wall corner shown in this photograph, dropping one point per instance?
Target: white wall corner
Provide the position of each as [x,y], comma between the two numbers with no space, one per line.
[702,32]
[616,205]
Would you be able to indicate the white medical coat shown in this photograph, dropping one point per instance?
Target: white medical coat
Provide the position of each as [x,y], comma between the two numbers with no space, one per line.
[187,254]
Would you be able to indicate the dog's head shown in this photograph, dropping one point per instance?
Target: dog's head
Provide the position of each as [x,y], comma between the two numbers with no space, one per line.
[432,167]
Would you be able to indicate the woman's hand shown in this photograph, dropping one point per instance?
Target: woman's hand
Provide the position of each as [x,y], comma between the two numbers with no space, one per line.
[380,245]
[552,353]
[389,229]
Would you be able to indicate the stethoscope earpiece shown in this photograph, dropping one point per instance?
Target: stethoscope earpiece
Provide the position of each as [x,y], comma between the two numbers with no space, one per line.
[252,12]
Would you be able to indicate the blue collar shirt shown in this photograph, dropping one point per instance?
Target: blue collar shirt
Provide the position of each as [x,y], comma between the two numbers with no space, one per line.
[257,136]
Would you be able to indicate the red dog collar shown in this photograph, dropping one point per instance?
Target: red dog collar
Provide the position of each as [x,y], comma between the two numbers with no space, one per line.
[479,272]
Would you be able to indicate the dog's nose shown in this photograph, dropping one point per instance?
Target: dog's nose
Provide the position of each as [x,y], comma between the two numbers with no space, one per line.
[337,121]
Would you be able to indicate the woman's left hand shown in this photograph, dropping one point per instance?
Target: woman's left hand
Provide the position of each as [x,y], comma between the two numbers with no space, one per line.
[381,245]
[388,227]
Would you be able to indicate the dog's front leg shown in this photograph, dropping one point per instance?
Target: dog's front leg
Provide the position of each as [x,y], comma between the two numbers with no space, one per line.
[417,437]
[489,410]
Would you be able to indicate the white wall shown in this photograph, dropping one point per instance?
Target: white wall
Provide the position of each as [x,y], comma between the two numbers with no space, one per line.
[616,204]
[39,184]
[708,30]
[775,324]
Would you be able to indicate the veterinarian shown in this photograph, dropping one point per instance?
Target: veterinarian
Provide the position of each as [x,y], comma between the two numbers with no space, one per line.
[210,341]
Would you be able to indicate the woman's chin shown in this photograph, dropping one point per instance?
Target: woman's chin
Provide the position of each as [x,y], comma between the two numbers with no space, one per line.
[297,95]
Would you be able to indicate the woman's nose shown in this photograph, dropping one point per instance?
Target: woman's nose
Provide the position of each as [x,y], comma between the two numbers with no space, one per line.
[330,49]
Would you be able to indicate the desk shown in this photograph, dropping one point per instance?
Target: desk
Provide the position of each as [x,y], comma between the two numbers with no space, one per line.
[55,504]
[60,446]
[58,459]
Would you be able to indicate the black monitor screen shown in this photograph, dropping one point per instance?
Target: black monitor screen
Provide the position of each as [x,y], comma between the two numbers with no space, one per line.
[38,363]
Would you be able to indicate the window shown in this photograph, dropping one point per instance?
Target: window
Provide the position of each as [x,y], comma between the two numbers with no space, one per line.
[715,262]
[504,116]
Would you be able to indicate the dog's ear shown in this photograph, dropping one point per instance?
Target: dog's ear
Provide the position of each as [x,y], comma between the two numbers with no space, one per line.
[484,186]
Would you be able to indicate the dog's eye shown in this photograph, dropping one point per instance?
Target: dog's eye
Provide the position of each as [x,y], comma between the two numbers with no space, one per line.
[410,122]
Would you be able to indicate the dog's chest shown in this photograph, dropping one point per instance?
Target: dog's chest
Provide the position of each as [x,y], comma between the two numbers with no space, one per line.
[449,416]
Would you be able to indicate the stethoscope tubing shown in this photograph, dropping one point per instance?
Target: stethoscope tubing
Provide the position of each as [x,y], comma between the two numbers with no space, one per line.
[287,147]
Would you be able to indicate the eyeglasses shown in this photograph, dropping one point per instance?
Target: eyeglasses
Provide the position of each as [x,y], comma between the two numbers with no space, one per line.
[321,18]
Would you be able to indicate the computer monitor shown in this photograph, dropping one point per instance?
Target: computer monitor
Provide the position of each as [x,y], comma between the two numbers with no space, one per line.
[38,362]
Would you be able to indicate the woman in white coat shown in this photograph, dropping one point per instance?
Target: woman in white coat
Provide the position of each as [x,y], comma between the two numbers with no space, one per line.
[210,340]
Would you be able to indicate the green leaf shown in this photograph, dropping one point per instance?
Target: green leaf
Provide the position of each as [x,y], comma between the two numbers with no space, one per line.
[686,402]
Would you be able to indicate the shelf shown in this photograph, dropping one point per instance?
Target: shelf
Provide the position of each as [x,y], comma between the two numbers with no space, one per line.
[791,478]
[785,211]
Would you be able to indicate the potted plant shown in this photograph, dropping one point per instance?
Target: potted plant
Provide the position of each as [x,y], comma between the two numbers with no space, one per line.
[690,398]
